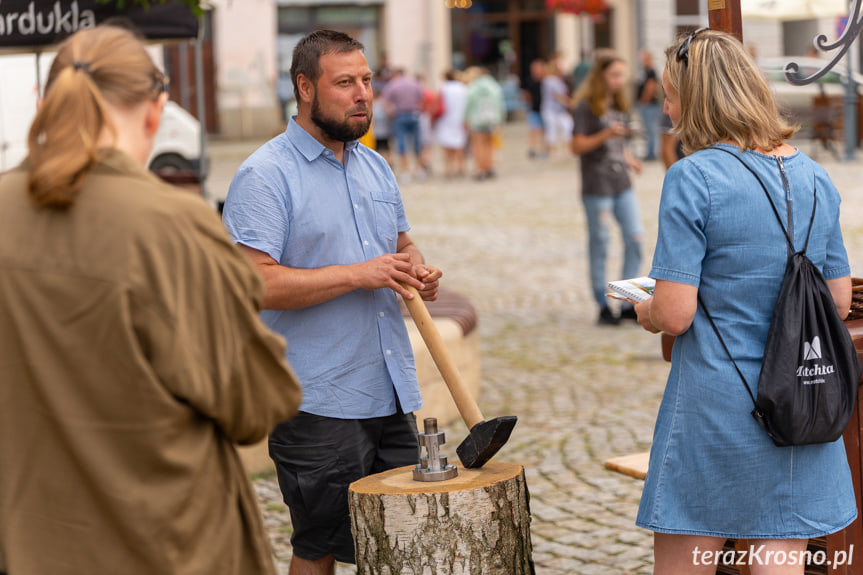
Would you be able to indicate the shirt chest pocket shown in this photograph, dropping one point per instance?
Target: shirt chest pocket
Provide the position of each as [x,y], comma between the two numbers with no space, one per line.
[385,204]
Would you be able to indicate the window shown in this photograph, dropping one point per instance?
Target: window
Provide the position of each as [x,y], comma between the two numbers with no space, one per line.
[294,22]
[688,7]
[602,37]
[689,15]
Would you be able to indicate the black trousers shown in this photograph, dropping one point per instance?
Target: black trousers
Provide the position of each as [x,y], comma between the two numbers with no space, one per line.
[318,457]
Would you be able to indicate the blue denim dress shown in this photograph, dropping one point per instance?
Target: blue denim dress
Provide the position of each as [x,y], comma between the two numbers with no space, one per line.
[713,470]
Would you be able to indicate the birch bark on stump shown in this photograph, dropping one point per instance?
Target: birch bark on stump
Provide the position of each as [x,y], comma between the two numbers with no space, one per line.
[477,523]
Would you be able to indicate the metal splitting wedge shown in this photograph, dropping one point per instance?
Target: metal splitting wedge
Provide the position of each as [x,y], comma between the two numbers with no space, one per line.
[486,437]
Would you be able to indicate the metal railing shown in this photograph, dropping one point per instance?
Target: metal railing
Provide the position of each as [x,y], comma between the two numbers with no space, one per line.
[842,44]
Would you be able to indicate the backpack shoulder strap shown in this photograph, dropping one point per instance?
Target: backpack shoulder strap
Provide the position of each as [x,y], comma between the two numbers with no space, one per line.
[773,206]
[725,347]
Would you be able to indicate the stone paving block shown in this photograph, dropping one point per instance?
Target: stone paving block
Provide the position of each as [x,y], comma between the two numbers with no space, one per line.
[637,553]
[547,531]
[570,551]
[635,568]
[565,565]
[547,513]
[616,548]
[605,532]
[636,537]
[573,538]
[581,524]
[541,557]
[558,498]
[562,567]
[595,569]
[626,508]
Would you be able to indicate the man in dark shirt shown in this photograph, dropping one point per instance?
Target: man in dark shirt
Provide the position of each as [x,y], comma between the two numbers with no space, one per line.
[537,147]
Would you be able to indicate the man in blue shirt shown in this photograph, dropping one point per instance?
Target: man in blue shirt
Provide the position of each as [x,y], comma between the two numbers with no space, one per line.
[322,218]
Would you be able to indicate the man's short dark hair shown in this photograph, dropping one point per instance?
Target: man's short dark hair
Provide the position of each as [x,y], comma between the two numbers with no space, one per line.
[306,59]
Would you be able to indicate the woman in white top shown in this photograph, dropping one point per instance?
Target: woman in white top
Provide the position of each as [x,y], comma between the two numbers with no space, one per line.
[554,108]
[450,127]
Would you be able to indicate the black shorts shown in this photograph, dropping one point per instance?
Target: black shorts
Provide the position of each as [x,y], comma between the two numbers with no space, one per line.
[317,458]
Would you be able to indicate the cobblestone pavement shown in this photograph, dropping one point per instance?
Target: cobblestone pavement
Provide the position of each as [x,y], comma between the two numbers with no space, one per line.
[516,246]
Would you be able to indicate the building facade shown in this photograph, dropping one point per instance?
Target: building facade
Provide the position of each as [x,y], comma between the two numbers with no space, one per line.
[252,41]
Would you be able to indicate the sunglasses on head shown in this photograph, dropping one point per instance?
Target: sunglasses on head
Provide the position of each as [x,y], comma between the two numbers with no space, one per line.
[683,51]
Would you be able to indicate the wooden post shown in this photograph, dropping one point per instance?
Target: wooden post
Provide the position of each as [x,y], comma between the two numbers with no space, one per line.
[477,522]
[851,538]
[724,15]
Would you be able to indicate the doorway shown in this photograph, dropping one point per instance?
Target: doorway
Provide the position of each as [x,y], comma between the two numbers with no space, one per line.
[502,35]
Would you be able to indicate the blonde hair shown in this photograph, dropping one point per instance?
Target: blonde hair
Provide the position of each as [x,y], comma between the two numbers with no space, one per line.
[593,89]
[723,95]
[92,67]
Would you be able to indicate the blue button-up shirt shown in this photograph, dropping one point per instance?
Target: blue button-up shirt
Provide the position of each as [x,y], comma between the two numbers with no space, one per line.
[293,200]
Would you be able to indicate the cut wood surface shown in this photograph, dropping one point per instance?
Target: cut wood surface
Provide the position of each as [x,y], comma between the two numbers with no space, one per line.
[400,480]
[477,522]
[633,465]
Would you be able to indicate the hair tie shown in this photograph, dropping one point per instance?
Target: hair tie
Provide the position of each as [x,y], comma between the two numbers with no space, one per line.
[79,65]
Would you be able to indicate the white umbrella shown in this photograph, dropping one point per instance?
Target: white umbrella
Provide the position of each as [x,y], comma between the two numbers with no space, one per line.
[793,9]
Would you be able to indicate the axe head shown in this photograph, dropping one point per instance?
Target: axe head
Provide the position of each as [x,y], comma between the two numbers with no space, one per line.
[485,439]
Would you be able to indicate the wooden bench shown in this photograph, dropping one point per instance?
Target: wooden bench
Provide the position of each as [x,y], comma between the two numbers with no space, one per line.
[633,465]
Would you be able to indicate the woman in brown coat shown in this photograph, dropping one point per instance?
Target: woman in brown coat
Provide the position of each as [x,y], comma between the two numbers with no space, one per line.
[132,358]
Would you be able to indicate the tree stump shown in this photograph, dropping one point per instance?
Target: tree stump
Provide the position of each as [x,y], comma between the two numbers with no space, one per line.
[476,523]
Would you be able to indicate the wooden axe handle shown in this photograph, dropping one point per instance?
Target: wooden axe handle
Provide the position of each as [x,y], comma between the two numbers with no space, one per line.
[467,407]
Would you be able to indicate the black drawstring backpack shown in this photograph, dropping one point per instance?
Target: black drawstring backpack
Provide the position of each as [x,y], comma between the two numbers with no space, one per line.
[807,388]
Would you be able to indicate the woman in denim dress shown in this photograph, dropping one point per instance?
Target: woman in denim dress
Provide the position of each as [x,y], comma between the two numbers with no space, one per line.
[714,473]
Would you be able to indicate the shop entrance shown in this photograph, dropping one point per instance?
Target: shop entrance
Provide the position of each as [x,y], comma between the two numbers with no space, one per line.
[502,35]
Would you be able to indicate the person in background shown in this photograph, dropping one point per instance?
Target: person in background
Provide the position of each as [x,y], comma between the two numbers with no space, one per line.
[599,139]
[382,75]
[133,355]
[719,247]
[430,112]
[322,218]
[554,108]
[403,95]
[450,126]
[381,127]
[581,70]
[537,147]
[647,99]
[484,114]
[753,51]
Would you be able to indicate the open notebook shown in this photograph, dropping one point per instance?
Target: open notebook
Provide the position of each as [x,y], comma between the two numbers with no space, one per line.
[634,290]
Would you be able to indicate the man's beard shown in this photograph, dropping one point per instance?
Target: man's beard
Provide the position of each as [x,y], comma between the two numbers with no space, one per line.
[343,131]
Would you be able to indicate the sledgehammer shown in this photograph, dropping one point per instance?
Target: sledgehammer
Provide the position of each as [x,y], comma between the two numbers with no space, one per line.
[486,437]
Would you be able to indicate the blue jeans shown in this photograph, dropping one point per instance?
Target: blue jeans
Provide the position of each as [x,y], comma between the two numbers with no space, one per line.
[599,209]
[407,124]
[650,118]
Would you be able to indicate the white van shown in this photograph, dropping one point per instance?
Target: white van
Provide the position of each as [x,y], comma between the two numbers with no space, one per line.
[177,145]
